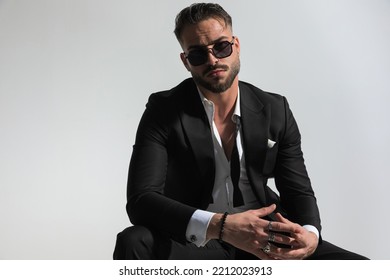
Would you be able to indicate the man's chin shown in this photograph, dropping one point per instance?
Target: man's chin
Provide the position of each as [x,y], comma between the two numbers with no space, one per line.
[214,85]
[217,88]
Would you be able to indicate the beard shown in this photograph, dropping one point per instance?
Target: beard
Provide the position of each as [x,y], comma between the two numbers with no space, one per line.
[218,86]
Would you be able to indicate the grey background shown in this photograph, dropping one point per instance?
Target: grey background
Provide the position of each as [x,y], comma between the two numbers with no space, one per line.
[75,76]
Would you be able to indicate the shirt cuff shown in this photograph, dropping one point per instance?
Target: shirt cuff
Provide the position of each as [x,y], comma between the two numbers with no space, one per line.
[312,229]
[197,227]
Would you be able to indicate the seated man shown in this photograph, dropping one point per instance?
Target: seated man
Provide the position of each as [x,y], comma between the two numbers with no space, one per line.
[204,150]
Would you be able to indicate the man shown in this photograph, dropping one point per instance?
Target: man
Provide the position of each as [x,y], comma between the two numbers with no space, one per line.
[203,153]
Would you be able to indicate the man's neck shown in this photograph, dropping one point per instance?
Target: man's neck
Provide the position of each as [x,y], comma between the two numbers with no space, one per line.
[223,102]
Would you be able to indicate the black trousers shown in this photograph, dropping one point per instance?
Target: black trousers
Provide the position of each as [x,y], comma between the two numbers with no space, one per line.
[141,243]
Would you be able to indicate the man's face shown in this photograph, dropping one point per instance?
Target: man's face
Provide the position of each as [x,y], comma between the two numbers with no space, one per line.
[216,74]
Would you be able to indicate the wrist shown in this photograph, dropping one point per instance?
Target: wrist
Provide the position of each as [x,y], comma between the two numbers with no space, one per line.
[214,228]
[222,227]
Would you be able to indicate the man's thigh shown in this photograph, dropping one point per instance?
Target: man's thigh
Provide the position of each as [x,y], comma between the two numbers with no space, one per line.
[138,242]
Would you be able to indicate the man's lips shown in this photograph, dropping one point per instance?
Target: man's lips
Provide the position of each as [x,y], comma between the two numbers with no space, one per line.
[216,71]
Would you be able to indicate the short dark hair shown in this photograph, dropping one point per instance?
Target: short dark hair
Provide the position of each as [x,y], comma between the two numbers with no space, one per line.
[198,12]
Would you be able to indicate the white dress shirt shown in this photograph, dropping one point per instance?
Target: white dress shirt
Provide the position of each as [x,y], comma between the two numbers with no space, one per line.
[223,186]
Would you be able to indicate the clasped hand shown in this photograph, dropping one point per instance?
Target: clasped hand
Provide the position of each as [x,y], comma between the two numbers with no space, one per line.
[280,239]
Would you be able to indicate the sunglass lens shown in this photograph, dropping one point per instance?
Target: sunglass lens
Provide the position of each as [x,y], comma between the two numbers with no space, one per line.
[197,57]
[223,49]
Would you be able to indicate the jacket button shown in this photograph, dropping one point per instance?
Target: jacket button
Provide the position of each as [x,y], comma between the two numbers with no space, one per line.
[193,238]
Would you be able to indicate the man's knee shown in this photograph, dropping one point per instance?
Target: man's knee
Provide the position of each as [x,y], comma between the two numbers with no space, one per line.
[135,242]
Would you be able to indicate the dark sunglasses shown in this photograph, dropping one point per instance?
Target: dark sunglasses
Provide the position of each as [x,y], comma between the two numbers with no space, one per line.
[199,56]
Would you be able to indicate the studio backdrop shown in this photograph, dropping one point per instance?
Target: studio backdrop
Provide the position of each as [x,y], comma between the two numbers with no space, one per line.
[75,76]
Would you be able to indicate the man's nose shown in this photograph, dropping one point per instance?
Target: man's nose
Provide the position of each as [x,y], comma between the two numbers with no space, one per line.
[211,58]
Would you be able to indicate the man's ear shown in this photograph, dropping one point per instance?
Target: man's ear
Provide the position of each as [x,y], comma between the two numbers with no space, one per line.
[237,44]
[185,61]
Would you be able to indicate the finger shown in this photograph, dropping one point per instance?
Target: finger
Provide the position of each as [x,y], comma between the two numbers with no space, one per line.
[274,226]
[274,253]
[296,227]
[296,230]
[282,219]
[285,253]
[263,252]
[264,211]
[281,239]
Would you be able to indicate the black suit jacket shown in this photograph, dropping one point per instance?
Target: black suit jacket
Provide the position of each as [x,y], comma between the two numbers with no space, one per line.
[172,167]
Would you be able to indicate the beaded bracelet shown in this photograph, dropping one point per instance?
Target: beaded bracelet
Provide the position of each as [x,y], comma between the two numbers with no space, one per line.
[223,219]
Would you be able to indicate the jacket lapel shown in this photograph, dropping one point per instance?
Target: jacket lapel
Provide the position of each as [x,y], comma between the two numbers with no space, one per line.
[255,120]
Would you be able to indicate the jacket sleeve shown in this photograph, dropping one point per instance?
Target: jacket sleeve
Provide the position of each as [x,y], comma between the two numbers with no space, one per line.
[147,204]
[291,178]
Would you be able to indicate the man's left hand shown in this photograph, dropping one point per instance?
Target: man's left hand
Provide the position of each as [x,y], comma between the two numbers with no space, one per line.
[304,244]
